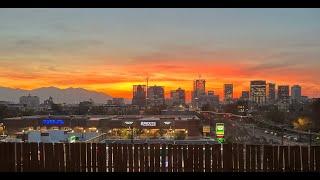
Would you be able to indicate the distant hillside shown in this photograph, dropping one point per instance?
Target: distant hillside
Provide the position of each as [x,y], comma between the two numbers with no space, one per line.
[69,95]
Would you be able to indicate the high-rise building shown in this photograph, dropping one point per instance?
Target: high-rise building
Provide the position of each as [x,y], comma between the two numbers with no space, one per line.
[155,95]
[199,89]
[30,101]
[271,92]
[258,92]
[296,92]
[228,93]
[283,93]
[178,96]
[139,95]
[283,98]
[245,95]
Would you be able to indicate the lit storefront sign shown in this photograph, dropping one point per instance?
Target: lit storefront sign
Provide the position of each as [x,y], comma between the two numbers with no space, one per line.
[206,129]
[220,132]
[128,122]
[148,123]
[52,122]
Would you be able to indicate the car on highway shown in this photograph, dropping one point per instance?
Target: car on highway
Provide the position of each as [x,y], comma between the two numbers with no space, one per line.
[266,132]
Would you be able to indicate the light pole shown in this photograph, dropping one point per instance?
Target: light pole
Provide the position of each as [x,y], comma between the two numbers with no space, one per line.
[130,127]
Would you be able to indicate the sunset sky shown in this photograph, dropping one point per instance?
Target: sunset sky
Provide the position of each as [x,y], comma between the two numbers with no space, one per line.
[109,50]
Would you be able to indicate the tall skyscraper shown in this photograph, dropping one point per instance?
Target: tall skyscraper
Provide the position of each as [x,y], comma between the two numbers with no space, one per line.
[283,98]
[139,95]
[258,92]
[155,96]
[228,93]
[296,92]
[178,96]
[271,92]
[199,89]
[283,93]
[30,101]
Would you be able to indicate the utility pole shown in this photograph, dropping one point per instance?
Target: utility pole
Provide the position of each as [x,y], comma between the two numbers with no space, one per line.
[147,91]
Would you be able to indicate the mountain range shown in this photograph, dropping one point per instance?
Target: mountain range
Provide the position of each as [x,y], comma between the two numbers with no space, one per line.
[69,95]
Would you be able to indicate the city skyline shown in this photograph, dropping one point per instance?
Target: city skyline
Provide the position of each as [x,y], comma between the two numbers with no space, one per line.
[111,50]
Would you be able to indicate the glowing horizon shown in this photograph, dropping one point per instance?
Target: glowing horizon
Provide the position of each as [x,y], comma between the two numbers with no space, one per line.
[110,50]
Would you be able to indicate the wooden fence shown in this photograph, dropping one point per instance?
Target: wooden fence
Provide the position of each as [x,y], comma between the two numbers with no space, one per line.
[102,157]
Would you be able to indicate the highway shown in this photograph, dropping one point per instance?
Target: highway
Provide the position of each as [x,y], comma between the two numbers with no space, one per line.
[255,134]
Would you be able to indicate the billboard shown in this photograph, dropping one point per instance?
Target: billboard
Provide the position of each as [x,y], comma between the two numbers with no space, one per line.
[52,122]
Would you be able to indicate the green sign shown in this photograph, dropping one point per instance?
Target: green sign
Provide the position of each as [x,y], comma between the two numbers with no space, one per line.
[220,132]
[220,129]
[72,139]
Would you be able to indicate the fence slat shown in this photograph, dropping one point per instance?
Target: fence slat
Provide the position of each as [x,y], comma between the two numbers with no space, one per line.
[235,157]
[19,157]
[34,161]
[207,158]
[174,158]
[83,156]
[179,158]
[253,156]
[142,161]
[110,158]
[11,157]
[60,153]
[258,150]
[267,158]
[77,156]
[55,157]
[297,158]
[151,157]
[312,158]
[241,157]
[124,157]
[94,157]
[317,158]
[146,158]
[88,164]
[2,157]
[275,158]
[136,158]
[48,149]
[163,157]
[201,161]
[101,154]
[170,158]
[227,157]
[130,156]
[68,157]
[304,154]
[26,157]
[185,158]
[190,158]
[248,162]
[157,158]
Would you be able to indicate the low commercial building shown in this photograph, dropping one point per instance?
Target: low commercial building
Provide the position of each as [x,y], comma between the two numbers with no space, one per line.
[146,126]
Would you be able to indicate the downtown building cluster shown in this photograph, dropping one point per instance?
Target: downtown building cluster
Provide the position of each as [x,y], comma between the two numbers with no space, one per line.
[260,93]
